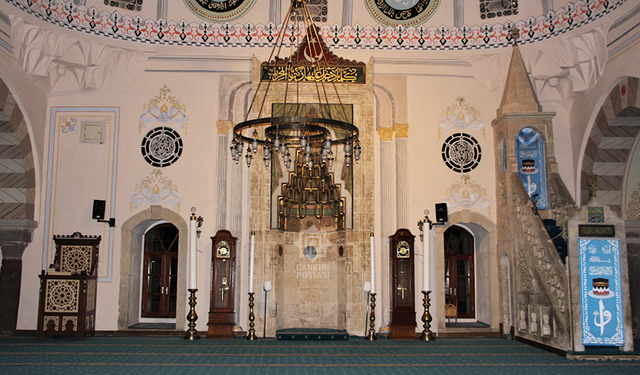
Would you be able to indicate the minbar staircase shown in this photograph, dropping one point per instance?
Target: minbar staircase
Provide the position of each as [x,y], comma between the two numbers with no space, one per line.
[555,233]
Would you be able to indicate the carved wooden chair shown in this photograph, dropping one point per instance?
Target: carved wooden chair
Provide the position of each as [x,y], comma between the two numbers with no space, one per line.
[451,311]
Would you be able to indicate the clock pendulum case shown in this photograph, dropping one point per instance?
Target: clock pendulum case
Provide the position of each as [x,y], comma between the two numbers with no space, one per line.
[223,268]
[403,313]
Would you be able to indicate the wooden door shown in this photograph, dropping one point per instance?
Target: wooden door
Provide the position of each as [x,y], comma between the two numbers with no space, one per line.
[160,272]
[459,272]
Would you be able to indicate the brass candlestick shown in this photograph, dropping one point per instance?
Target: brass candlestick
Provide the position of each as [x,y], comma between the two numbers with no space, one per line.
[192,334]
[426,335]
[372,320]
[252,330]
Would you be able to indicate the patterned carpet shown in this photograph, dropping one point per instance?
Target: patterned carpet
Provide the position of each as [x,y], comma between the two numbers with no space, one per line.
[174,355]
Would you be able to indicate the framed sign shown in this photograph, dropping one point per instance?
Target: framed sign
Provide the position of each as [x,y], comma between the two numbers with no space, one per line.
[601,292]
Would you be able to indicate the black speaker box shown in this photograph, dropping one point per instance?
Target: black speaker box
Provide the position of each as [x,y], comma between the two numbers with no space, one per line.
[442,214]
[98,209]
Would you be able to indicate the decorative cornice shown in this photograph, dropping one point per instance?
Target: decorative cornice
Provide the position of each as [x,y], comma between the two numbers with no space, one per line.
[401,130]
[517,116]
[386,134]
[137,29]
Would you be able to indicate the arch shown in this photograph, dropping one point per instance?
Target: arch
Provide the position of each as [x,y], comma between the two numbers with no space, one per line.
[235,92]
[388,123]
[19,186]
[132,232]
[610,142]
[487,271]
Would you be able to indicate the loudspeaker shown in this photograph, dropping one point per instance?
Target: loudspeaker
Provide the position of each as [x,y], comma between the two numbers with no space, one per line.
[98,209]
[442,214]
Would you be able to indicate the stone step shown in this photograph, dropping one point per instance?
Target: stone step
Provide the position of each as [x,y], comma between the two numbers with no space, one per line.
[311,334]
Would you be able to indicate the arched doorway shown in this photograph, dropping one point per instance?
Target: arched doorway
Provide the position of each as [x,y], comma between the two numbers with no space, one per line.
[160,272]
[459,271]
[133,232]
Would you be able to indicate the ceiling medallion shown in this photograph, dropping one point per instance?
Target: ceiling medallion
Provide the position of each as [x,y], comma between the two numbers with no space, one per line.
[402,12]
[219,10]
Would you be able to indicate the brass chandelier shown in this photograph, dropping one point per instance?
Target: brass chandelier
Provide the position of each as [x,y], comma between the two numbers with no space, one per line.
[311,139]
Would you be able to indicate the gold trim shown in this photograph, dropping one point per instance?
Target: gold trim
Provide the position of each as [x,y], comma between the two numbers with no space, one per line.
[402,249]
[223,245]
[401,130]
[386,134]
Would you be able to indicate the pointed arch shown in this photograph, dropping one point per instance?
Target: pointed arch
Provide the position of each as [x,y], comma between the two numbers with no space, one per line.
[487,275]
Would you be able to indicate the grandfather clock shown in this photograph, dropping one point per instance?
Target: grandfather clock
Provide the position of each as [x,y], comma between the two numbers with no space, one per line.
[403,313]
[223,271]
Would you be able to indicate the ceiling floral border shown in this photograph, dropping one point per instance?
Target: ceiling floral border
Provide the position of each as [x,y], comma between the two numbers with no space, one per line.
[114,25]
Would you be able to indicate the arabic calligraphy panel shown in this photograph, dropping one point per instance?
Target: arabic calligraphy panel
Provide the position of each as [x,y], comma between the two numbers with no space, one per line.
[600,292]
[402,12]
[531,165]
[219,10]
[337,74]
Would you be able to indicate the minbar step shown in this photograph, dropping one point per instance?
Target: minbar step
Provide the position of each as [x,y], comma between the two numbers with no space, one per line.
[311,334]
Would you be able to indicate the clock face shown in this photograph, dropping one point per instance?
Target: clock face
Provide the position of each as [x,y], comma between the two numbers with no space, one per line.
[219,10]
[403,249]
[402,12]
[223,249]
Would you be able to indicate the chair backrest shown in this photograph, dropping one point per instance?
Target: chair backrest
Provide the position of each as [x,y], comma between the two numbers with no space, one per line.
[77,254]
[451,310]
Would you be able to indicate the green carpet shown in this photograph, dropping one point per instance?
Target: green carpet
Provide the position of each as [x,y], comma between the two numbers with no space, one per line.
[174,355]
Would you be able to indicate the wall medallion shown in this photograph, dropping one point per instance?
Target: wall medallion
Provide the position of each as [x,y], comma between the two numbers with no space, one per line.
[219,10]
[402,12]
[461,152]
[162,147]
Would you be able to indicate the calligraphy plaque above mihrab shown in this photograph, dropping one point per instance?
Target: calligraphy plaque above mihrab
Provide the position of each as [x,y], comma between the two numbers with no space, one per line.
[402,12]
[219,10]
[314,62]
